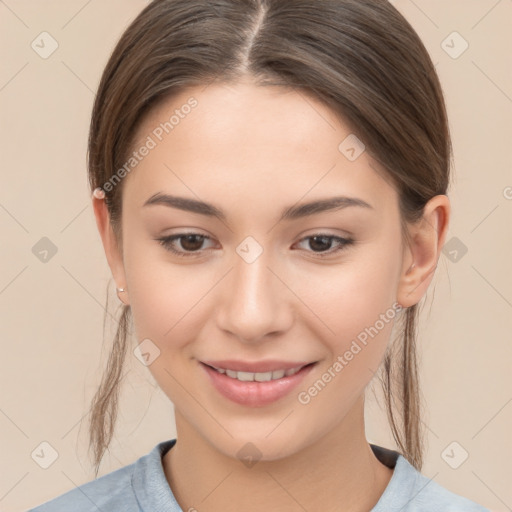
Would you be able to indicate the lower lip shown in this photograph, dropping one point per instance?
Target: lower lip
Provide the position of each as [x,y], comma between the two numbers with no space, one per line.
[255,394]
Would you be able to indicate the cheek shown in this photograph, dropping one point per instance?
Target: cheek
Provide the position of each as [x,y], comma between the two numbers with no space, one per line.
[167,300]
[354,309]
[348,297]
[358,307]
[167,309]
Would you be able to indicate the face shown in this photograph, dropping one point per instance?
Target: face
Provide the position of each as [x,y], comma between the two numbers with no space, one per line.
[252,285]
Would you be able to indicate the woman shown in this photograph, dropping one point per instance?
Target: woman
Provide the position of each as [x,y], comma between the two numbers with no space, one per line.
[270,183]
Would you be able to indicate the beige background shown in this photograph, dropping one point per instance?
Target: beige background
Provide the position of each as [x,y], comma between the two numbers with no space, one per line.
[52,312]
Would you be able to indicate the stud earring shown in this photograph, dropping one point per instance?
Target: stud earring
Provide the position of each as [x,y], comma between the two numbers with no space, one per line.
[120,289]
[99,193]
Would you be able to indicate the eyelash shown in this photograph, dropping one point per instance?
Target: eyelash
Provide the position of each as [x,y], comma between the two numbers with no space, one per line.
[167,241]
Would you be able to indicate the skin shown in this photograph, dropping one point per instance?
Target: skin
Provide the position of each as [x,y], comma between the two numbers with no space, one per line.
[252,151]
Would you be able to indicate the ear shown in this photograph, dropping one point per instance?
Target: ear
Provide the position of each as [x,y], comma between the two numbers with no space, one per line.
[421,255]
[112,251]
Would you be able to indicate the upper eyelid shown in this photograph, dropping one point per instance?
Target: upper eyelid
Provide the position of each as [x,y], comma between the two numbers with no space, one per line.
[177,236]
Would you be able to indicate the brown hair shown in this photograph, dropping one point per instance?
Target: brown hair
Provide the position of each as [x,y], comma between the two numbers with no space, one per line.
[361,58]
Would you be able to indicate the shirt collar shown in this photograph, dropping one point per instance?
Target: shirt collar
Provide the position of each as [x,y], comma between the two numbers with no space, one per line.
[154,493]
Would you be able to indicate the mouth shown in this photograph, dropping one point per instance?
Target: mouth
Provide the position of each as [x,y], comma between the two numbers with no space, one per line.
[266,376]
[256,388]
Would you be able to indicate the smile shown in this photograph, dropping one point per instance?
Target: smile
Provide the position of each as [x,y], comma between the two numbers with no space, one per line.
[256,388]
[258,376]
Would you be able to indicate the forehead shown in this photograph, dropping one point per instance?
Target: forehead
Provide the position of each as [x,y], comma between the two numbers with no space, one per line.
[246,140]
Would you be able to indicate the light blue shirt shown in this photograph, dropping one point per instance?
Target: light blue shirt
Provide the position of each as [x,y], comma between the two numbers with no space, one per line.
[142,487]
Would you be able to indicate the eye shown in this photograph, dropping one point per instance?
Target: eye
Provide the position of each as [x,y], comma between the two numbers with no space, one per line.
[191,243]
[319,242]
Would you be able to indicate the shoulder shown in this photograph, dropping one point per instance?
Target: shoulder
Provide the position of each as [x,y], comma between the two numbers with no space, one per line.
[112,489]
[410,491]
[141,485]
[429,496]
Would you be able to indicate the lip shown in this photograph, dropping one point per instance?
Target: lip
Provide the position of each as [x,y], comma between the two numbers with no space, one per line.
[269,365]
[253,393]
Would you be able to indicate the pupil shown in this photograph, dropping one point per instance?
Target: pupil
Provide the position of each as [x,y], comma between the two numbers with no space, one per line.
[187,239]
[324,246]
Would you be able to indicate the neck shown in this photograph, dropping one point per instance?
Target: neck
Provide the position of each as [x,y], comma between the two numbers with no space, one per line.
[337,469]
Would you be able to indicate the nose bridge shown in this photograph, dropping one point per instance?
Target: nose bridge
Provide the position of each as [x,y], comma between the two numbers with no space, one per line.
[254,302]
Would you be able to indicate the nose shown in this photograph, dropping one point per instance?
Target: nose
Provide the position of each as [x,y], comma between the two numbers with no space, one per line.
[255,302]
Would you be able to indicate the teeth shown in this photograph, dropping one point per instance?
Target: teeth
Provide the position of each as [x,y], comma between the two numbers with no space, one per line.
[292,371]
[259,377]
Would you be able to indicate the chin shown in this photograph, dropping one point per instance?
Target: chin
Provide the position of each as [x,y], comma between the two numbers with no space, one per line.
[257,448]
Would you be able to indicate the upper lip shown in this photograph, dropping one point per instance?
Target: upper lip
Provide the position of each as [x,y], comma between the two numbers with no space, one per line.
[257,366]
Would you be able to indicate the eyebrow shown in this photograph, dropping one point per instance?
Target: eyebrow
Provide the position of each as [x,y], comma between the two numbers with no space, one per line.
[293,212]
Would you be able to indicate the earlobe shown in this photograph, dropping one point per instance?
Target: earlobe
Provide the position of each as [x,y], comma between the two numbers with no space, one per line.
[426,241]
[112,251]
